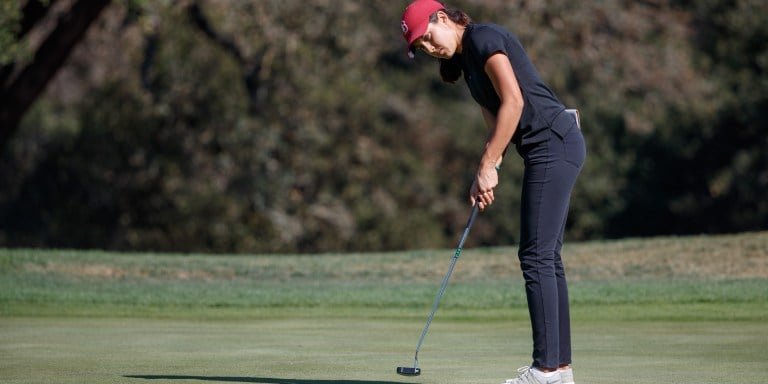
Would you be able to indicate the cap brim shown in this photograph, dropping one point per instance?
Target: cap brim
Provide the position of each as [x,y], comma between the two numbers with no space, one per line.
[420,30]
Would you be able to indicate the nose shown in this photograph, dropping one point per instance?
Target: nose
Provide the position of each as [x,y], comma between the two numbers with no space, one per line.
[426,47]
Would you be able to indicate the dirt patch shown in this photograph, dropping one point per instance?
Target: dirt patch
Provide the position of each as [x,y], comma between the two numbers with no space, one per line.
[104,271]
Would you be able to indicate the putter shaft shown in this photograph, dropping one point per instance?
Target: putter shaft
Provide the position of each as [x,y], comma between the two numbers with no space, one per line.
[471,221]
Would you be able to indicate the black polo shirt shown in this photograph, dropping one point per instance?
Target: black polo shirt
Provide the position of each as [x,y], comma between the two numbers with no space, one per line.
[479,42]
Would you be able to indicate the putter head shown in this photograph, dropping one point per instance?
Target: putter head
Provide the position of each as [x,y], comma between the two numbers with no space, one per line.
[408,371]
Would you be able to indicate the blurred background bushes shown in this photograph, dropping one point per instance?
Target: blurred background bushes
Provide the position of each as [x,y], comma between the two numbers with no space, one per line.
[301,126]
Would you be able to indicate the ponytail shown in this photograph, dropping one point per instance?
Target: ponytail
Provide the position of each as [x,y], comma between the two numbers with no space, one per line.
[450,69]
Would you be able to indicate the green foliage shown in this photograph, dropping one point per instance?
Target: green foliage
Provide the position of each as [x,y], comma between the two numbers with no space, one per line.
[9,27]
[295,126]
[703,170]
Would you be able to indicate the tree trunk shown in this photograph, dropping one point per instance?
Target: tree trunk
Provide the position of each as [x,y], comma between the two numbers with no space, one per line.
[20,92]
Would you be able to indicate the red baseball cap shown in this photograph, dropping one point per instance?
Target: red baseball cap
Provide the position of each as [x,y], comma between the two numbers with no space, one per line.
[416,19]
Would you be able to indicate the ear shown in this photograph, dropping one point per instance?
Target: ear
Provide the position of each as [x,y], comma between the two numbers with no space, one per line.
[442,16]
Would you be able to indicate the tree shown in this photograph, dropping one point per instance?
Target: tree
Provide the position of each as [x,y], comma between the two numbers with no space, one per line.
[23,82]
[301,126]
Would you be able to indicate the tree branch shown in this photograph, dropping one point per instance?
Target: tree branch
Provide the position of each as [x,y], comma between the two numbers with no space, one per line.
[250,68]
[31,14]
[201,22]
[18,96]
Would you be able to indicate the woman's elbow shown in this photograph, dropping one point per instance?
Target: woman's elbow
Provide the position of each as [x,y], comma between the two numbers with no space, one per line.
[514,103]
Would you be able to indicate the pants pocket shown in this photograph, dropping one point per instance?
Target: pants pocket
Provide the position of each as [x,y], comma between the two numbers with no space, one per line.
[575,150]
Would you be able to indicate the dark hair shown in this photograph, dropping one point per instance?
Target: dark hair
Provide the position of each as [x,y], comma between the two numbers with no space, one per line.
[450,69]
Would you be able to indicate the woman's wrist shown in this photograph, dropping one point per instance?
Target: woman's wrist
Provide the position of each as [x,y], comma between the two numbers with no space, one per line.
[489,165]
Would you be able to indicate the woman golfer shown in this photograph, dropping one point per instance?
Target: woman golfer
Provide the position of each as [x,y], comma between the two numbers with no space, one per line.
[519,108]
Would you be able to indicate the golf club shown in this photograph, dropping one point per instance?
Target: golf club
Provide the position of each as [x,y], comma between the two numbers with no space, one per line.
[415,370]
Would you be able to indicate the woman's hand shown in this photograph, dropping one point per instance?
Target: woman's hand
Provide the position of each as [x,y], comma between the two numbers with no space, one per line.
[482,188]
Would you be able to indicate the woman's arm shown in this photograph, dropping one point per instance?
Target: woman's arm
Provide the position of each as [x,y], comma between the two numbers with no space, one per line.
[490,123]
[503,77]
[504,81]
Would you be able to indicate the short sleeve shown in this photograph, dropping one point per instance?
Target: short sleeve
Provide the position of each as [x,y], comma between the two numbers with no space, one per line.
[487,42]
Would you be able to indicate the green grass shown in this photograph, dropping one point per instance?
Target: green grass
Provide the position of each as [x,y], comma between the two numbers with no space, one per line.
[644,311]
[344,350]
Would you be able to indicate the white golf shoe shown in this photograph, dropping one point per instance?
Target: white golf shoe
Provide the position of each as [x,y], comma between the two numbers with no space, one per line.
[526,375]
[566,376]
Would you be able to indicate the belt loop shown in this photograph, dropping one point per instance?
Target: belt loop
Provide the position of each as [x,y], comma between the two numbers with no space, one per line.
[575,113]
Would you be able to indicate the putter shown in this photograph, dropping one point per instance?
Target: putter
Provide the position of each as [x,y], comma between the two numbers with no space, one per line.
[415,370]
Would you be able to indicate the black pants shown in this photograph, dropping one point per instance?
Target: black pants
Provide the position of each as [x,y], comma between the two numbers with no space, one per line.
[551,168]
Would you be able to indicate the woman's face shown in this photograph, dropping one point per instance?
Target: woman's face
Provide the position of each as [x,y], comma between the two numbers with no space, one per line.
[440,40]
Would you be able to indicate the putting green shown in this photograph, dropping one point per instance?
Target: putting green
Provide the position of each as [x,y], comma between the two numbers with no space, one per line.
[669,310]
[330,350]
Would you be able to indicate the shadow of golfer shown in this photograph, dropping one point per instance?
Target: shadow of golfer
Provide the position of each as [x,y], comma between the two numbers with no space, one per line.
[262,380]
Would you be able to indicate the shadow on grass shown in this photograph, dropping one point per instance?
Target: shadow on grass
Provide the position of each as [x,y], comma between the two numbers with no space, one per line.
[262,380]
